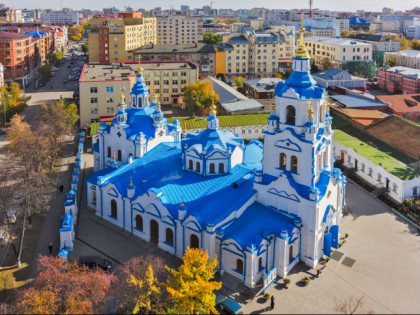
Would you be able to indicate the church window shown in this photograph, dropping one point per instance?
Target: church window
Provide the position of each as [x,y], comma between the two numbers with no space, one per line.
[260,263]
[370,172]
[109,152]
[379,177]
[197,166]
[415,191]
[94,197]
[294,166]
[212,168]
[321,116]
[239,266]
[282,161]
[190,164]
[169,236]
[140,102]
[119,155]
[324,158]
[394,188]
[194,242]
[221,168]
[139,222]
[290,253]
[113,208]
[290,114]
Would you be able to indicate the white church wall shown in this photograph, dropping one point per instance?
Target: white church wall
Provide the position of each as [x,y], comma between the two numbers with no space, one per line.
[236,157]
[247,132]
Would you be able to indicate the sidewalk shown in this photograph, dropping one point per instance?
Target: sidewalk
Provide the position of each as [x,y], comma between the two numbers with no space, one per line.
[50,229]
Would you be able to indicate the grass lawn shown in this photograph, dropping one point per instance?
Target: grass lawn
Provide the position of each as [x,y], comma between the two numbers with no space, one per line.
[389,163]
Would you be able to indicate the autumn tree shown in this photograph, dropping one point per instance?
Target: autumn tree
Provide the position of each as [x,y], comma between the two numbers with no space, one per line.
[190,288]
[64,287]
[45,71]
[56,57]
[326,64]
[199,95]
[128,292]
[392,62]
[239,81]
[12,98]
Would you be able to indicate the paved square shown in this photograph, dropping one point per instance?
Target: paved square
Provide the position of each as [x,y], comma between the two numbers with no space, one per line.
[337,255]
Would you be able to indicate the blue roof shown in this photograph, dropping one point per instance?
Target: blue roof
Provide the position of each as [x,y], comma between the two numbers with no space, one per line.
[160,171]
[66,222]
[211,139]
[257,222]
[70,199]
[303,84]
[35,34]
[238,40]
[357,20]
[139,87]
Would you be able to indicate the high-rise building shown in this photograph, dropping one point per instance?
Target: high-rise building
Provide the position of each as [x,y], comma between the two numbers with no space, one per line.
[185,9]
[60,17]
[179,29]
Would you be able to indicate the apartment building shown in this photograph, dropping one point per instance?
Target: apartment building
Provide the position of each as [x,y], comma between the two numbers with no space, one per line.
[343,24]
[114,39]
[406,58]
[100,85]
[60,17]
[337,50]
[399,80]
[209,58]
[179,29]
[379,42]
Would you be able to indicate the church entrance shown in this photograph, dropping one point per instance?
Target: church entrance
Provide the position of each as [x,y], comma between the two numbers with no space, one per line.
[327,242]
[154,232]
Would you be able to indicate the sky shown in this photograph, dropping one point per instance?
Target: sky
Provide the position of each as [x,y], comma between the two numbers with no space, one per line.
[334,5]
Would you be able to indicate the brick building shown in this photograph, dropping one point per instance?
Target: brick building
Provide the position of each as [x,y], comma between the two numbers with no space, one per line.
[399,80]
[404,105]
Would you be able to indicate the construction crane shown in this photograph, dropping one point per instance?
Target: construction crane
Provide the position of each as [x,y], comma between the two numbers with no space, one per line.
[211,7]
[310,9]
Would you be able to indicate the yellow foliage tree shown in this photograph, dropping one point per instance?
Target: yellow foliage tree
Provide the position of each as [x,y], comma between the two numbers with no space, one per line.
[199,95]
[190,287]
[149,300]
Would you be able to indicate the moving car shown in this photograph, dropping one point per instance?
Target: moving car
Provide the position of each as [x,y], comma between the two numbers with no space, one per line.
[96,261]
[226,305]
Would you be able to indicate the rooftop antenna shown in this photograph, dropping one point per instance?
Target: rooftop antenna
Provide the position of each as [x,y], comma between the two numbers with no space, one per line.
[310,9]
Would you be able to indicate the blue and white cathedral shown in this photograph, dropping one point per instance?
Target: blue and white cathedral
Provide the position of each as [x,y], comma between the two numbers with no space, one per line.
[257,207]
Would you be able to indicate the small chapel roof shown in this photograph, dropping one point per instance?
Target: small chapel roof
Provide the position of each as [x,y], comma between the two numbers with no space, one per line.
[211,139]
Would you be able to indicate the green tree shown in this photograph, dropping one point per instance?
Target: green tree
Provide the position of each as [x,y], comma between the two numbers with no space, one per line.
[12,99]
[45,71]
[392,62]
[366,69]
[85,47]
[190,288]
[239,81]
[56,57]
[211,38]
[326,64]
[198,96]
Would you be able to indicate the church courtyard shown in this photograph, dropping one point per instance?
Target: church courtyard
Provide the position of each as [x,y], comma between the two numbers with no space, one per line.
[385,250]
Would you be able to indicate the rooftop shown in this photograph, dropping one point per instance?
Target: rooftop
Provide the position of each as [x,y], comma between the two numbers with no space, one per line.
[402,102]
[227,94]
[180,48]
[363,116]
[264,84]
[121,71]
[406,53]
[12,36]
[335,40]
[332,75]
[409,72]
[353,101]
[390,164]
[242,105]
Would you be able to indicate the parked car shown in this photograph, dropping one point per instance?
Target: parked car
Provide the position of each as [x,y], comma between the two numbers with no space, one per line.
[96,262]
[12,217]
[226,305]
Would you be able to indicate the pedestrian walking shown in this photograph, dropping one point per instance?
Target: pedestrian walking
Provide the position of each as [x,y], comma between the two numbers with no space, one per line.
[50,248]
[272,302]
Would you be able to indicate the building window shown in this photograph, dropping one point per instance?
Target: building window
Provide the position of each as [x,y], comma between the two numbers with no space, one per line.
[221,168]
[169,236]
[212,168]
[290,114]
[110,100]
[109,89]
[94,197]
[119,155]
[394,188]
[93,90]
[113,208]
[239,266]
[197,166]
[282,164]
[363,167]
[94,100]
[139,222]
[415,191]
[293,163]
[93,111]
[260,263]
[370,172]
[290,253]
[109,152]
[194,242]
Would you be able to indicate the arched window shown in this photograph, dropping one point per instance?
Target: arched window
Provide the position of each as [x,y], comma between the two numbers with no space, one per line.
[290,253]
[324,158]
[290,114]
[119,155]
[221,168]
[169,236]
[114,211]
[190,164]
[139,222]
[140,101]
[212,168]
[239,265]
[197,166]
[109,152]
[260,263]
[293,163]
[282,161]
[194,242]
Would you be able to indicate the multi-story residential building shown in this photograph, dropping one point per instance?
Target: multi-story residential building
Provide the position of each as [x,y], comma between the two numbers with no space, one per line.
[7,15]
[100,85]
[60,17]
[406,58]
[179,29]
[343,24]
[397,23]
[413,31]
[337,50]
[379,42]
[209,58]
[398,80]
[114,39]
[17,54]
[375,27]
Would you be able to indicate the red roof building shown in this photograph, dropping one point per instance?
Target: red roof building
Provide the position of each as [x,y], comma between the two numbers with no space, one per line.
[404,105]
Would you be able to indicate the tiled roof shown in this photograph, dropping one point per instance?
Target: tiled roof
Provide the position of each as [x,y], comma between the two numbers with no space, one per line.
[402,134]
[402,102]
[11,36]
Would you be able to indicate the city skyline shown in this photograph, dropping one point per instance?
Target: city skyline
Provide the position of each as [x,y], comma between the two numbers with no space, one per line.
[233,4]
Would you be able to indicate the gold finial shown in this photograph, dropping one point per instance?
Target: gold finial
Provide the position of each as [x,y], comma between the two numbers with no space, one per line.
[327,102]
[273,105]
[301,52]
[182,203]
[139,70]
[310,110]
[157,103]
[114,157]
[213,107]
[131,181]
